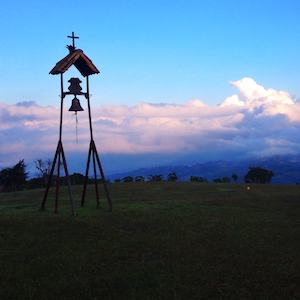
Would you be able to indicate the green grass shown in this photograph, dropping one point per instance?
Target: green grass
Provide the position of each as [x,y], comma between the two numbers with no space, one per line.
[162,241]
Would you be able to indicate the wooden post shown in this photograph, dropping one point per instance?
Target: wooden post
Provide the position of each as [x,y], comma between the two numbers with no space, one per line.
[57,184]
[50,177]
[103,179]
[86,176]
[59,153]
[68,181]
[94,153]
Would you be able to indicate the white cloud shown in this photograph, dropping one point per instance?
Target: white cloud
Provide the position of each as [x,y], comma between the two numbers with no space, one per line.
[249,122]
[253,96]
[233,100]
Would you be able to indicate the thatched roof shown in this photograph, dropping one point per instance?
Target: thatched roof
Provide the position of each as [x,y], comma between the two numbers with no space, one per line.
[77,58]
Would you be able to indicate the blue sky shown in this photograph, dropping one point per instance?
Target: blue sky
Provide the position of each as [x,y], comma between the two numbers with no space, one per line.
[153,51]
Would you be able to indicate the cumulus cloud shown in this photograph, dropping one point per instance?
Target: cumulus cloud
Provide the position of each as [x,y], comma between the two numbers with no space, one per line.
[255,97]
[255,121]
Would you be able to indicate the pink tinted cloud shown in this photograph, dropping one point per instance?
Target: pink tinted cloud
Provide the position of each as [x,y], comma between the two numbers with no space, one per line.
[241,119]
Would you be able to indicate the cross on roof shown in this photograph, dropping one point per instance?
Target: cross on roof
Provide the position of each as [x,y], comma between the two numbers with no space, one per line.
[73,37]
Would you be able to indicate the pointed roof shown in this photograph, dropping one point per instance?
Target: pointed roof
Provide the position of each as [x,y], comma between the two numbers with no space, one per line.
[77,58]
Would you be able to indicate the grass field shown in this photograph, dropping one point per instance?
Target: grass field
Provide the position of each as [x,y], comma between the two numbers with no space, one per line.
[162,241]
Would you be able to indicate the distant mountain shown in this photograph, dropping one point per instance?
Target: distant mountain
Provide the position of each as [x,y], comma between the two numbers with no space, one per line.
[285,167]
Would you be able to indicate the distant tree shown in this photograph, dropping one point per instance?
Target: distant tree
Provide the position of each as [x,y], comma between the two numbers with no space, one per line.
[35,183]
[118,180]
[127,179]
[172,176]
[13,179]
[226,179]
[234,177]
[222,180]
[43,168]
[77,178]
[194,178]
[139,179]
[155,178]
[217,180]
[197,179]
[258,175]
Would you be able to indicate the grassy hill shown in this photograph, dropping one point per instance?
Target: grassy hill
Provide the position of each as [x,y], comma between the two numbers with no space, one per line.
[162,241]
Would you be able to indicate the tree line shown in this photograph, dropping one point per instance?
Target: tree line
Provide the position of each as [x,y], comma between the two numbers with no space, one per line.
[16,178]
[254,175]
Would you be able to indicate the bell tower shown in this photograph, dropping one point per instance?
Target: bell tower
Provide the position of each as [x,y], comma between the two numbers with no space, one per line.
[85,66]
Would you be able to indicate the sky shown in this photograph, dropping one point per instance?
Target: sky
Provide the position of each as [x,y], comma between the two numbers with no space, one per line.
[181,77]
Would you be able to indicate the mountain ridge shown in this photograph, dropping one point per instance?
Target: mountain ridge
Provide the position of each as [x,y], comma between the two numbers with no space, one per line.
[285,167]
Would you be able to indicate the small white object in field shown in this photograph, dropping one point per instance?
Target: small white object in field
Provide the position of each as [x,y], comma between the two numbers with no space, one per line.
[248,188]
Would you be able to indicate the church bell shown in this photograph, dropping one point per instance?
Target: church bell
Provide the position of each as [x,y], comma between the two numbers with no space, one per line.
[75,106]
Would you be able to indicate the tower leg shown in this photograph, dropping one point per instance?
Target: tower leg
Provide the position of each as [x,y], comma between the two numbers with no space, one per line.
[57,184]
[96,162]
[103,178]
[50,176]
[68,181]
[95,157]
[58,155]
[95,178]
[86,176]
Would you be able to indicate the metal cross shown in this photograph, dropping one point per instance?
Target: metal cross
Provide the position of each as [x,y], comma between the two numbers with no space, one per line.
[73,37]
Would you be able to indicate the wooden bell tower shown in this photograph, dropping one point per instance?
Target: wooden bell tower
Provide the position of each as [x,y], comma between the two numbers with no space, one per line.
[85,66]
